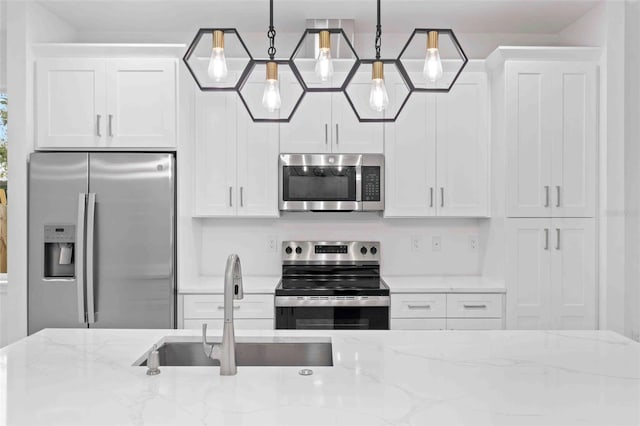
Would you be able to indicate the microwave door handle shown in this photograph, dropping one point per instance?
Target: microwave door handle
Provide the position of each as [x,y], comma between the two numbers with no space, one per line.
[80,231]
[91,214]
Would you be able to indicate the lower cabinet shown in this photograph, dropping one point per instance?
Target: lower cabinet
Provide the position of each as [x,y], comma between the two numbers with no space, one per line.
[253,311]
[447,311]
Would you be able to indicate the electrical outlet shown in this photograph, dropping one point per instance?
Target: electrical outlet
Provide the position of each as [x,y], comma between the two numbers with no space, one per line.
[473,242]
[436,243]
[416,244]
[272,243]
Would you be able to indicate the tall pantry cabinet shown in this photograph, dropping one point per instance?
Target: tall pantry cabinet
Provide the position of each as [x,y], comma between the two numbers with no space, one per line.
[547,124]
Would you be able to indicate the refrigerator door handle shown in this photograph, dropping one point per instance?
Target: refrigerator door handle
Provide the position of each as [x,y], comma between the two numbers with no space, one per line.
[91,213]
[80,231]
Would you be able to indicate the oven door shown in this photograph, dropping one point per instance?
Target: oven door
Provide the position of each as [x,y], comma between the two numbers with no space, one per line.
[314,182]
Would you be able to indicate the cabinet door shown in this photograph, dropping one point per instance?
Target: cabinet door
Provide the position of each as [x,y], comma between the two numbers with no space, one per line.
[529,135]
[141,103]
[70,102]
[257,166]
[528,263]
[574,143]
[462,148]
[350,135]
[309,130]
[215,154]
[410,160]
[573,274]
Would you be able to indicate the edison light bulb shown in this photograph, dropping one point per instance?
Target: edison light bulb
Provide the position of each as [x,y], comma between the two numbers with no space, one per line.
[432,65]
[271,95]
[217,69]
[378,97]
[324,64]
[217,64]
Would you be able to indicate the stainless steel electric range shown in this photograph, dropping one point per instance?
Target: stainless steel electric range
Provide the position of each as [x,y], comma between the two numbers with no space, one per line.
[331,286]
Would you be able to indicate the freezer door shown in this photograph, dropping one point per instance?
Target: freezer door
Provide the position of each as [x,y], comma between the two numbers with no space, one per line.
[131,263]
[56,181]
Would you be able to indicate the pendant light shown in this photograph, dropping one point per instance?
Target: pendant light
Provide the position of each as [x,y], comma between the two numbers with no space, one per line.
[324,63]
[271,95]
[432,64]
[378,97]
[217,69]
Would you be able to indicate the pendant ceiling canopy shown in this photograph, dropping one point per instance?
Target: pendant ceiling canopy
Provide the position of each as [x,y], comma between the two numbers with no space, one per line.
[272,89]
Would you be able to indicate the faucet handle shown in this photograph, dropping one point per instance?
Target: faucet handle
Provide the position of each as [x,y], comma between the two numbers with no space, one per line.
[208,349]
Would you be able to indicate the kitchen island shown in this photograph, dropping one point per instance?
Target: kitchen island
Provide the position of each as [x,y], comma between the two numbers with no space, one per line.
[87,377]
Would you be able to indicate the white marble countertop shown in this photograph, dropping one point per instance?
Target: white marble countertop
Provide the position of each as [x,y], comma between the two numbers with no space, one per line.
[444,284]
[397,284]
[263,284]
[82,377]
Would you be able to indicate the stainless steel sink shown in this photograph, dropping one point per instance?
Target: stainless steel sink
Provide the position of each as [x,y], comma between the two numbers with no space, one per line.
[282,353]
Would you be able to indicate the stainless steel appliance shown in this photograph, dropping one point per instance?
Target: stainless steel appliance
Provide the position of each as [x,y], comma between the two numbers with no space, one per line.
[331,182]
[101,240]
[331,285]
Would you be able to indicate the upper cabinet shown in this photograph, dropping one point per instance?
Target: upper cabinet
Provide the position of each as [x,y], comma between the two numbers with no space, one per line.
[236,160]
[550,119]
[105,103]
[325,123]
[436,153]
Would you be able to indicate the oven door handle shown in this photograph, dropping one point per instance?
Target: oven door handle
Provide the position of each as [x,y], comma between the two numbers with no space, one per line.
[331,301]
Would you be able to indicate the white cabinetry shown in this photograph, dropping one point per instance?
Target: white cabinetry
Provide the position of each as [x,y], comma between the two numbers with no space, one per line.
[551,132]
[436,153]
[450,311]
[324,123]
[236,160]
[551,274]
[253,311]
[105,103]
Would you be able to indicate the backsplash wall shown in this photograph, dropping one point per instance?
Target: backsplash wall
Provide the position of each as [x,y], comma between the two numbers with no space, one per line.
[250,239]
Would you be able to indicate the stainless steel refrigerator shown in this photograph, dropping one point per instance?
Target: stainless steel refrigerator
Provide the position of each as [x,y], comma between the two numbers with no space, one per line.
[101,240]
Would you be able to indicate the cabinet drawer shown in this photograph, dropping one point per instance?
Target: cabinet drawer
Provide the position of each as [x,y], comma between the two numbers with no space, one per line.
[414,305]
[212,306]
[418,324]
[474,305]
[239,324]
[474,324]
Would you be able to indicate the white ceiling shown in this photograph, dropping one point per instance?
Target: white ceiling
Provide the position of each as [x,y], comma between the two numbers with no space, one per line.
[468,16]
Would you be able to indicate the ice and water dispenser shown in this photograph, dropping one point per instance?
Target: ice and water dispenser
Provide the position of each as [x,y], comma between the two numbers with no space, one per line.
[59,251]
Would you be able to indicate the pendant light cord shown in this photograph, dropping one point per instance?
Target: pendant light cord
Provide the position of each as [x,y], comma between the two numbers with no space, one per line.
[271,33]
[378,34]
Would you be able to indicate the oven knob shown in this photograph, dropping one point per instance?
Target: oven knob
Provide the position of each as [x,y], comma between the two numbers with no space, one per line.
[288,250]
[363,250]
[298,250]
[374,250]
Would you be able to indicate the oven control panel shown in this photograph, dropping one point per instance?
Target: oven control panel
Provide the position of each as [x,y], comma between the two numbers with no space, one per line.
[334,251]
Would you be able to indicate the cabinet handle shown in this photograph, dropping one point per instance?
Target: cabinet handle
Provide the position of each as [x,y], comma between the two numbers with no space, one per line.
[546,192]
[558,193]
[241,197]
[441,196]
[474,306]
[99,117]
[231,196]
[221,307]
[546,238]
[431,197]
[557,238]
[110,125]
[337,135]
[419,306]
[326,134]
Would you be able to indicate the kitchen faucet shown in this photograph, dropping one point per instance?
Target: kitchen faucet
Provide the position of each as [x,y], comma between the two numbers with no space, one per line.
[225,352]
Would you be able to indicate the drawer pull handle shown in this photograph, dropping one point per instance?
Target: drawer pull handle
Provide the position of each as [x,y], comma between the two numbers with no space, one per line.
[475,306]
[221,307]
[419,306]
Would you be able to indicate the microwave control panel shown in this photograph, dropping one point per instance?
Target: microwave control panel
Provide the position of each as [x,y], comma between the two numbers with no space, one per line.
[370,183]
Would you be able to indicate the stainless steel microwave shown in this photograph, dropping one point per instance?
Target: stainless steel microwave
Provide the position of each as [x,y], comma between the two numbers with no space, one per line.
[331,182]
